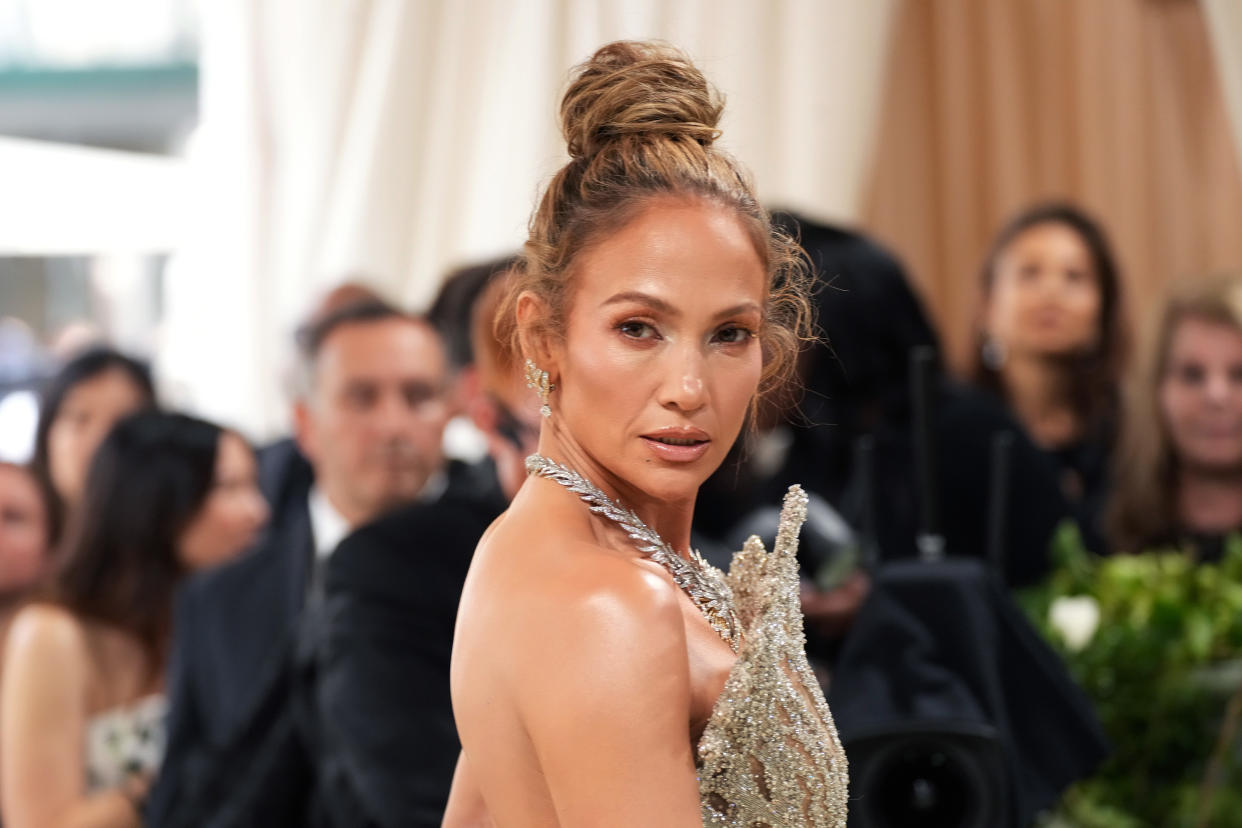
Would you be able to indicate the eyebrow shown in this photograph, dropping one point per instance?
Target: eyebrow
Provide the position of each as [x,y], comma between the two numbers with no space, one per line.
[664,307]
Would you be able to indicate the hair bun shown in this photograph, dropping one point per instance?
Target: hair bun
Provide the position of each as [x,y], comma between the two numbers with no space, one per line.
[636,88]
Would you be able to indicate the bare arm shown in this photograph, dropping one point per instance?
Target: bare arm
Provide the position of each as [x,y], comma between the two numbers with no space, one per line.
[42,730]
[466,808]
[606,701]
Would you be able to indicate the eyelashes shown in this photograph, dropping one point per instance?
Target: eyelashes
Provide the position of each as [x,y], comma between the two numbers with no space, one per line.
[643,331]
[635,329]
[742,334]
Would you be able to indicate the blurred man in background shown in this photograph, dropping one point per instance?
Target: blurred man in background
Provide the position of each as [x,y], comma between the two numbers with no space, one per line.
[369,419]
[378,691]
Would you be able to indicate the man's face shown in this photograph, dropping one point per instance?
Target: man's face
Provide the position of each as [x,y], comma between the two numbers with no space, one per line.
[372,421]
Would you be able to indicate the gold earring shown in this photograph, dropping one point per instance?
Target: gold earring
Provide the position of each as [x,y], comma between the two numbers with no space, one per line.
[538,380]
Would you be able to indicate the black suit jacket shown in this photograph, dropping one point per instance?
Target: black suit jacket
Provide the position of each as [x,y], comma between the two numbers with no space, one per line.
[243,735]
[233,630]
[387,744]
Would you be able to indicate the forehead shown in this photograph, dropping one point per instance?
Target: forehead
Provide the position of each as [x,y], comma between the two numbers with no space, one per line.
[1054,237]
[1199,337]
[690,252]
[395,345]
[18,482]
[112,383]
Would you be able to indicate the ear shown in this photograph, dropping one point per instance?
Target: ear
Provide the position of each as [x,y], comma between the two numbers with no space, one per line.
[532,315]
[482,412]
[304,430]
[983,316]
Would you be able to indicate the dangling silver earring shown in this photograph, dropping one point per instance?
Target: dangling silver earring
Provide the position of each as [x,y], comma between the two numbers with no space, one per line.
[993,354]
[538,380]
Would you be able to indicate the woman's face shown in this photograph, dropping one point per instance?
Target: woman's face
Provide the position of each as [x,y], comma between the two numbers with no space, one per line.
[23,530]
[1201,395]
[661,356]
[233,513]
[86,415]
[1045,297]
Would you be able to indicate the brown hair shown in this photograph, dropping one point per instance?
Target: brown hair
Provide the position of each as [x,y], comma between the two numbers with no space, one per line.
[639,121]
[1144,506]
[1095,375]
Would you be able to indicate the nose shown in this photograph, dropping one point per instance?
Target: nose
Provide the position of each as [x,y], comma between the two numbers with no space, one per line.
[392,414]
[684,386]
[1217,387]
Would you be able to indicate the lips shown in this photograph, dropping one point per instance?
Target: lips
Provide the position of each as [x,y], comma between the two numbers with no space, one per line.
[678,445]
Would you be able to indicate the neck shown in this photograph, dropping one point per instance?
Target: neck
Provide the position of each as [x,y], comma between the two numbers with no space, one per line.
[1040,391]
[1209,501]
[671,519]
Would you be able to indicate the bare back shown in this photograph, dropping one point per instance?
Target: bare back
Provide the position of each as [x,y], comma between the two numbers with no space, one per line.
[581,673]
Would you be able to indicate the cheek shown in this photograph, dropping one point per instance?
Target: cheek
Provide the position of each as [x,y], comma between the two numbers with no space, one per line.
[735,383]
[609,378]
[1086,305]
[68,457]
[1003,305]
[1177,405]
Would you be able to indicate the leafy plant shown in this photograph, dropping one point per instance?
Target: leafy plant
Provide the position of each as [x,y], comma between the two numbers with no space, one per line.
[1164,669]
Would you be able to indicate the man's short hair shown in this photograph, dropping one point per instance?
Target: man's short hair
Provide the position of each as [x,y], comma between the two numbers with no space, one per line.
[311,336]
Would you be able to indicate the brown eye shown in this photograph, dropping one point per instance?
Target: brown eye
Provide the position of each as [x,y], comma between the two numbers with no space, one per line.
[1190,374]
[360,396]
[636,330]
[733,335]
[418,393]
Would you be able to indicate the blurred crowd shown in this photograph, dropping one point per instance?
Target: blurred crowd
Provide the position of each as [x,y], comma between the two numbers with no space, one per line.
[199,632]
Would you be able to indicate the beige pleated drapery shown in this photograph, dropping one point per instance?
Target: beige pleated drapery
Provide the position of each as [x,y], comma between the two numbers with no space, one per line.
[1114,104]
[397,138]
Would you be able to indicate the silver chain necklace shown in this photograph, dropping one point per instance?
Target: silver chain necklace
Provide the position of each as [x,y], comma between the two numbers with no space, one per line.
[691,575]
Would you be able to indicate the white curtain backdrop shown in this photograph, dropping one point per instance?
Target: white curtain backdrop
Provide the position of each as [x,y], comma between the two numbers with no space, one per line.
[399,138]
[1224,22]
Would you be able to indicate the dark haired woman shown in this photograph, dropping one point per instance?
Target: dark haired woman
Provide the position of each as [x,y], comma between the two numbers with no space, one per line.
[23,539]
[78,406]
[1051,342]
[81,709]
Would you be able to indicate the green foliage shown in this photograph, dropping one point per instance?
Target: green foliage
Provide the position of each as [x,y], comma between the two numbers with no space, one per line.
[1161,668]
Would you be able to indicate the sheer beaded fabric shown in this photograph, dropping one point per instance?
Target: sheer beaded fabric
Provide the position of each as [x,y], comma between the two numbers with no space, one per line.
[770,756]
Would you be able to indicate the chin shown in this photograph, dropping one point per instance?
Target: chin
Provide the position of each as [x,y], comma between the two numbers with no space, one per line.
[1061,349]
[671,483]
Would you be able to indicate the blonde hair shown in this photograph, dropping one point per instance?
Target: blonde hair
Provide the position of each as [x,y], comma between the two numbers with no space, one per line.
[639,120]
[1144,507]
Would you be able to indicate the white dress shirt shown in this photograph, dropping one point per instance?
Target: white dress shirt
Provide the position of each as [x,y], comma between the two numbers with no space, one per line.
[328,526]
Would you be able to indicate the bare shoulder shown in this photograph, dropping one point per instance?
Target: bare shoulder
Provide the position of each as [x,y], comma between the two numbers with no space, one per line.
[46,629]
[580,589]
[600,623]
[46,650]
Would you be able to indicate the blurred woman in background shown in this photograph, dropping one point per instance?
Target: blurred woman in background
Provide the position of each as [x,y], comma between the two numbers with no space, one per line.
[23,538]
[1051,343]
[81,708]
[77,408]
[1179,471]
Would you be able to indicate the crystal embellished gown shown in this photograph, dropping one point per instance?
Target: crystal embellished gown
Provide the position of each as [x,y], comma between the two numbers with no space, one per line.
[770,756]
